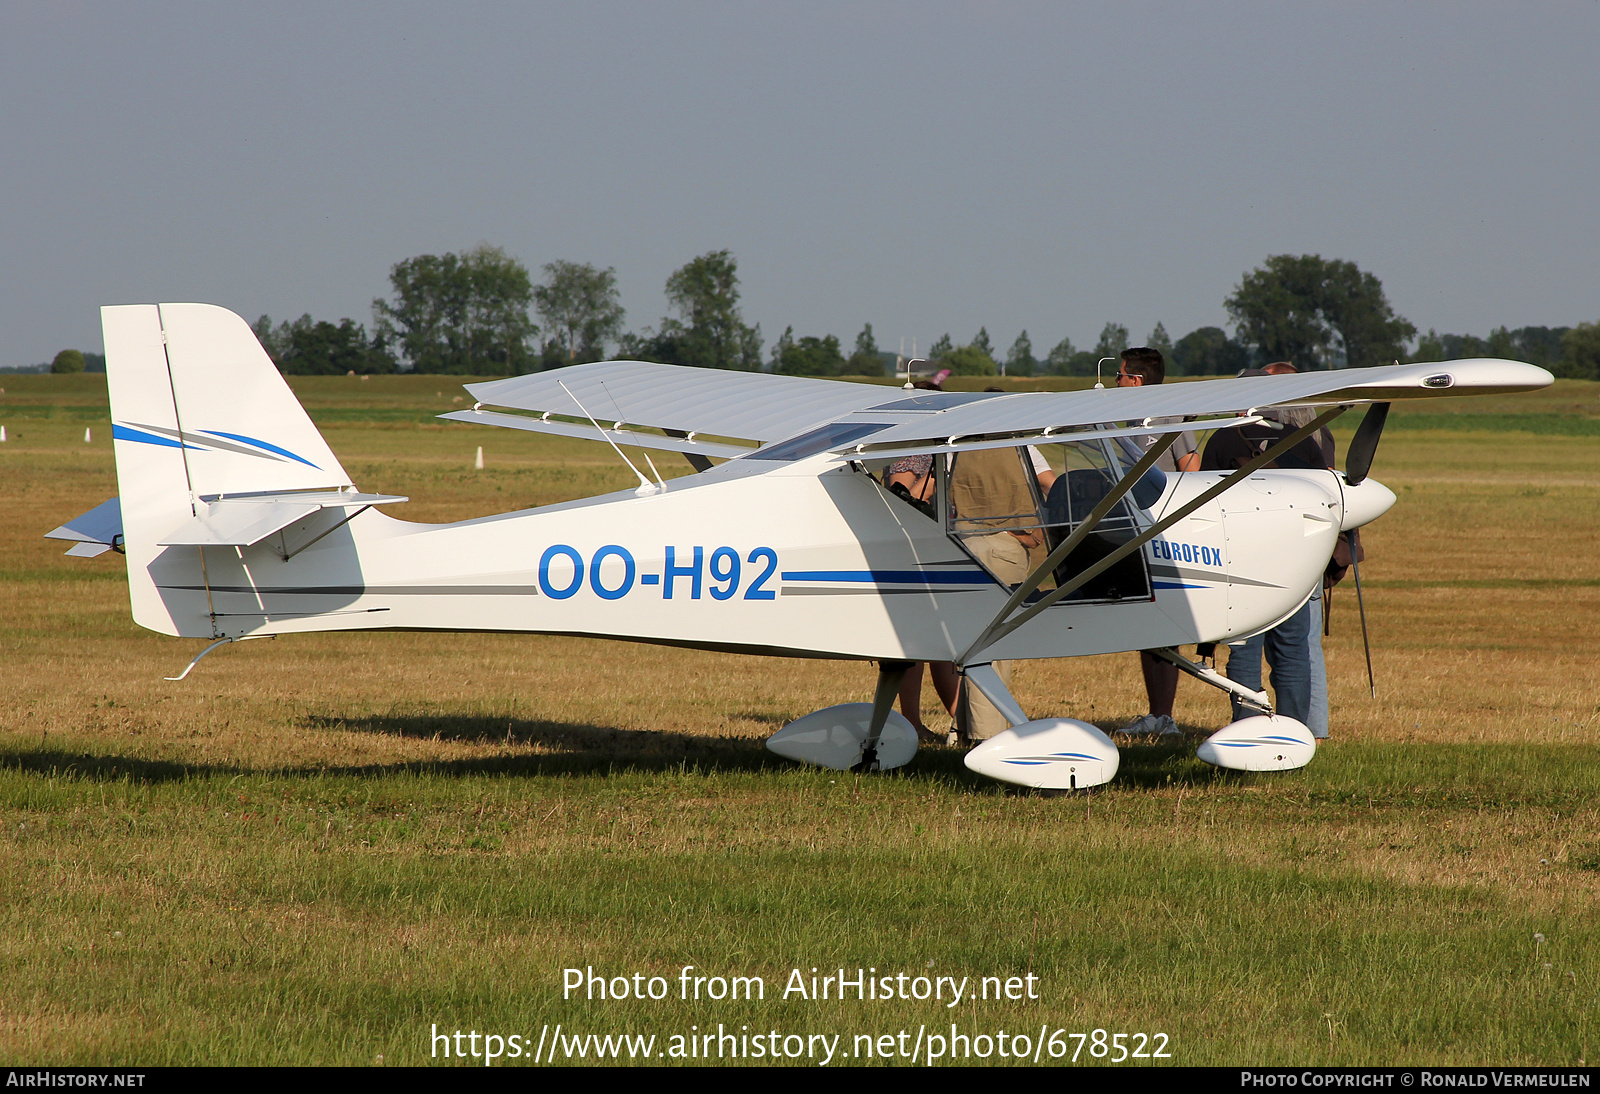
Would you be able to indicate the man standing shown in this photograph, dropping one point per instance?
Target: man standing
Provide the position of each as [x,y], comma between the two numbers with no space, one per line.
[1140,367]
[1317,714]
[1288,645]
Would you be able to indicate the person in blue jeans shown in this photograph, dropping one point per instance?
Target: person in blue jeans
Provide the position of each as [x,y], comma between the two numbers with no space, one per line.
[1288,649]
[1317,718]
[1288,646]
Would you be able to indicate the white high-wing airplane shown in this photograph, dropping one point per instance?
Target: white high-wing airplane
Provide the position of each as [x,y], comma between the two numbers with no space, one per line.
[239,522]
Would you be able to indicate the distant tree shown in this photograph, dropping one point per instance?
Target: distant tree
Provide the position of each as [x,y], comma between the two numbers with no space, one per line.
[1019,360]
[708,332]
[781,346]
[460,314]
[813,357]
[1207,351]
[1501,344]
[1059,361]
[970,361]
[866,360]
[940,349]
[275,340]
[94,362]
[981,343]
[1459,346]
[1314,311]
[1580,353]
[1535,345]
[1429,347]
[1369,331]
[1278,309]
[639,345]
[1113,340]
[581,309]
[307,347]
[323,349]
[1160,340]
[68,360]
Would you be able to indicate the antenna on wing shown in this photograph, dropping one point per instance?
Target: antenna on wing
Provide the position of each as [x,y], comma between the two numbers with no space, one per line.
[1098,386]
[620,414]
[646,487]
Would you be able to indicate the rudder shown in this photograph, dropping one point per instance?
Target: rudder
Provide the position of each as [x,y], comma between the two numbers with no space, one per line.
[198,412]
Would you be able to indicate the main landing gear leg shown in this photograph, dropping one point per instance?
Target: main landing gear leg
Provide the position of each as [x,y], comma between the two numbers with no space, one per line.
[889,676]
[1258,700]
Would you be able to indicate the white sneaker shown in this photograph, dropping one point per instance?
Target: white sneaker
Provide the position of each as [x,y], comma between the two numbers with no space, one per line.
[1146,725]
[1152,725]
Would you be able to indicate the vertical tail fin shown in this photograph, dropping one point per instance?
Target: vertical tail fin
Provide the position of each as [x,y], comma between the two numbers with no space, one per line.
[198,411]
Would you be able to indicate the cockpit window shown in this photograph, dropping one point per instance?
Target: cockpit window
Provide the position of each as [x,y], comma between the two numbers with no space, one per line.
[1009,508]
[818,440]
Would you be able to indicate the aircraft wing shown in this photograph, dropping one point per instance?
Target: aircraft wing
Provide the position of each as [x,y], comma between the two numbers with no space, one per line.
[1055,416]
[755,406]
[811,415]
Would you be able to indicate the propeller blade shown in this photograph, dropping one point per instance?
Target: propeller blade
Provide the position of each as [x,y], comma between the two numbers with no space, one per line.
[1364,445]
[1366,644]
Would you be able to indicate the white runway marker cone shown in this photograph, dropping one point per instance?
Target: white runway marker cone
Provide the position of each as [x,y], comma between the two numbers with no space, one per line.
[88,438]
[2,433]
[478,463]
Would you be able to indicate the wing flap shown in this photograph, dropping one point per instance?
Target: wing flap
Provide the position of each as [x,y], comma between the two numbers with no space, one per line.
[876,449]
[1023,417]
[589,433]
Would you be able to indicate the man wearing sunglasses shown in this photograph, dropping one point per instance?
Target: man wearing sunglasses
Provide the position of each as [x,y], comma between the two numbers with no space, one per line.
[1140,367]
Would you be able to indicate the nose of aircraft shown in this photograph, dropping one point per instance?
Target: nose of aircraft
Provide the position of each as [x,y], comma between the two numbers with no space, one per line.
[1364,502]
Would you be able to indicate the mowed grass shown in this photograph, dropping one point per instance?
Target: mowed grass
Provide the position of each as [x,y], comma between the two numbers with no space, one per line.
[316,848]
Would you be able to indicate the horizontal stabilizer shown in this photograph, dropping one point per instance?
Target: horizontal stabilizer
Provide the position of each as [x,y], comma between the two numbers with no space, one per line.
[246,521]
[589,433]
[241,524]
[95,532]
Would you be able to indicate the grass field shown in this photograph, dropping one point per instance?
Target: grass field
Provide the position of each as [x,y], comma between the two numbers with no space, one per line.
[317,848]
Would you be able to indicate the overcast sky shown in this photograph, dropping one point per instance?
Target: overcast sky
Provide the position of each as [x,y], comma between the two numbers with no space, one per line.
[924,167]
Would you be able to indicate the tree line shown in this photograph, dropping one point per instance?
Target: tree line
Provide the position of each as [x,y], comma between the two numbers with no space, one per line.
[474,314]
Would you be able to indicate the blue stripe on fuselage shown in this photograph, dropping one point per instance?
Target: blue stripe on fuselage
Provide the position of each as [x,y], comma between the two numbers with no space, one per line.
[891,577]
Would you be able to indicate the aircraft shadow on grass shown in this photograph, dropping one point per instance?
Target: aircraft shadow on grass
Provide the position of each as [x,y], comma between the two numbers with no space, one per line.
[591,750]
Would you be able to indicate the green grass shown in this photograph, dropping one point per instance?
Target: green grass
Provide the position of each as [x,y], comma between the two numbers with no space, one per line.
[332,916]
[316,848]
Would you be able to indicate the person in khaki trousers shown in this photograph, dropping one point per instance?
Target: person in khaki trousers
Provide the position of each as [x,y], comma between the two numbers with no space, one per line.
[996,514]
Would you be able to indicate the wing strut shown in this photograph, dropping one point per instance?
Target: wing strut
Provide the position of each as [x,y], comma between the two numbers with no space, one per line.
[696,460]
[1001,626]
